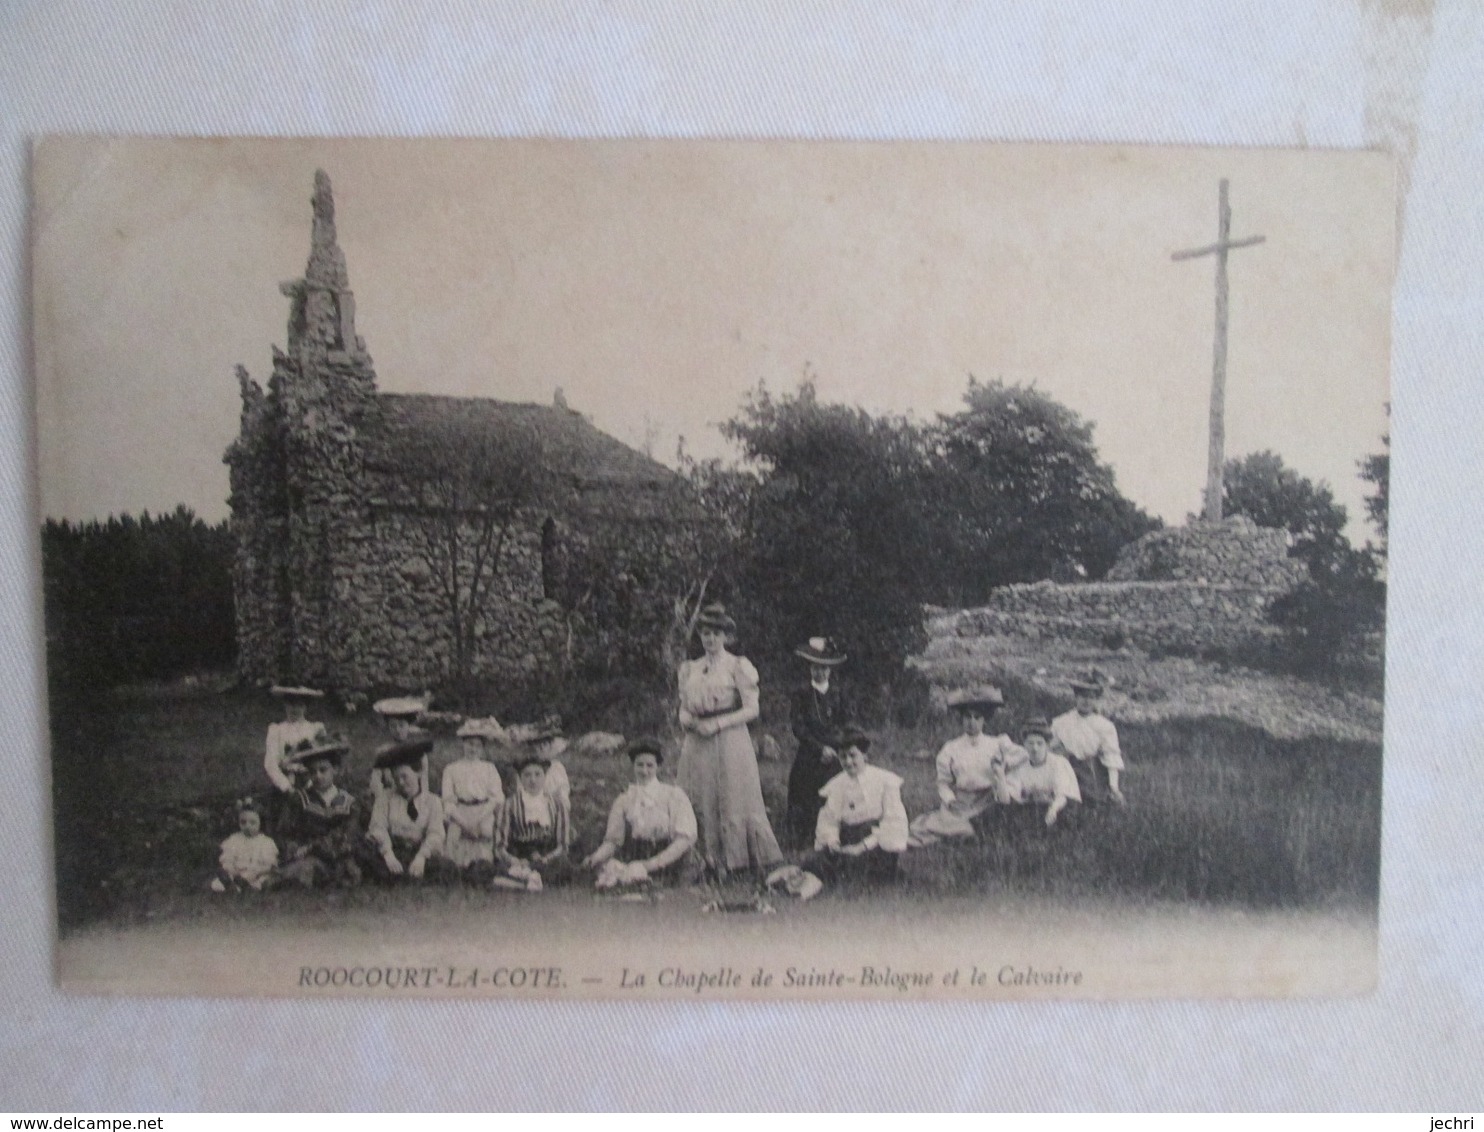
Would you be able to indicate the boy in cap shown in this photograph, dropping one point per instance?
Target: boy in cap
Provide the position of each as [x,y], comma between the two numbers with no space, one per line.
[321,825]
[1090,741]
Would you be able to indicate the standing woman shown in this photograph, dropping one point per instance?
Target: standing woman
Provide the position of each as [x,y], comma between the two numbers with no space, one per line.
[818,712]
[286,735]
[718,764]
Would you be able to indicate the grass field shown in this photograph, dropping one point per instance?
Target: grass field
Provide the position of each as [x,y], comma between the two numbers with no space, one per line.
[1219,813]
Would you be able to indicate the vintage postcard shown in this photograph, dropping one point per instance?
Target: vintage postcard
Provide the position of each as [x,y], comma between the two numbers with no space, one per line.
[734,570]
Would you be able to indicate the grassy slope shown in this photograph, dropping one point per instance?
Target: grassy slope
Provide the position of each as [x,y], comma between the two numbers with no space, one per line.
[1220,812]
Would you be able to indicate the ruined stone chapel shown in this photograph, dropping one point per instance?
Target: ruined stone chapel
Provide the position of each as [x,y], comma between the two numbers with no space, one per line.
[364,529]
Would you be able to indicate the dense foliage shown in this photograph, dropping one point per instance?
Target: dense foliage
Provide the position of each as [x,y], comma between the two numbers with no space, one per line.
[137,598]
[844,524]
[1341,605]
[1018,494]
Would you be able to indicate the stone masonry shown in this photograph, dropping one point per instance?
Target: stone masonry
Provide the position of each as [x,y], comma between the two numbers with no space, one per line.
[1198,588]
[332,580]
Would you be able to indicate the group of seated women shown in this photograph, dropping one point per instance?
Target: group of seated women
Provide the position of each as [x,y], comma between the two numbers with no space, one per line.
[846,819]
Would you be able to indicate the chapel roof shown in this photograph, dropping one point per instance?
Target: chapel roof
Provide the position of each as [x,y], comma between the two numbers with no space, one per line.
[404,427]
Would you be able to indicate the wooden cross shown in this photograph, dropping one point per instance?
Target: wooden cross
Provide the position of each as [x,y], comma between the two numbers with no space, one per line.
[1224,243]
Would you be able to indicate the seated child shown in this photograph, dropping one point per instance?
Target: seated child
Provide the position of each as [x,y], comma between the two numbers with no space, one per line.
[862,829]
[321,822]
[533,832]
[405,837]
[472,796]
[1044,778]
[248,856]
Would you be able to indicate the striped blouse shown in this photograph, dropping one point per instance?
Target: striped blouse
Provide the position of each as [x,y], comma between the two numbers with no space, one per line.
[532,818]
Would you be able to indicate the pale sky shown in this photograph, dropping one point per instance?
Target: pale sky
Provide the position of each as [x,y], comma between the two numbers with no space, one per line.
[656,282]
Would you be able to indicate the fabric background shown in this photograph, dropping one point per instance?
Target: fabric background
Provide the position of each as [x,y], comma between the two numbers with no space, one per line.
[1396,73]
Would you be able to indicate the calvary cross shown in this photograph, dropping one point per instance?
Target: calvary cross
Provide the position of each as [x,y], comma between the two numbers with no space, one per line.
[1224,243]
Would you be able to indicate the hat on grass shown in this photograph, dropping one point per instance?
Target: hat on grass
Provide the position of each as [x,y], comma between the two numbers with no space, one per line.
[400,707]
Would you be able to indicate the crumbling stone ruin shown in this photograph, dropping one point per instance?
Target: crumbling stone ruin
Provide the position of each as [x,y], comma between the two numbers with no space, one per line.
[1205,586]
[355,511]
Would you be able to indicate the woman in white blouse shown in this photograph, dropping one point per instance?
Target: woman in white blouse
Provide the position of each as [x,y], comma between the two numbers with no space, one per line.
[651,826]
[472,794]
[287,734]
[862,829]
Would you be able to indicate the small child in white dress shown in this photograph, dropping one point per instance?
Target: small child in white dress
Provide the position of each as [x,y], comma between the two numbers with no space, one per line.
[248,856]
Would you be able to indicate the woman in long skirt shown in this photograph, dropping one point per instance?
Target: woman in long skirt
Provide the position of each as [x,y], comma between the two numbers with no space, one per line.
[718,764]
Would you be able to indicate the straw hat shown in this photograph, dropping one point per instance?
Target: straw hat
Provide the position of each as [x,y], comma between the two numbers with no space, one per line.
[984,698]
[820,650]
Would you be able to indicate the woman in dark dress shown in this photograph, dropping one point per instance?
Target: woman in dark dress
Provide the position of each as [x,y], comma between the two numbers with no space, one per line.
[818,712]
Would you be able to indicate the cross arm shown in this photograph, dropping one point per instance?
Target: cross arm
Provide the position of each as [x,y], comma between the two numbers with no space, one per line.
[1210,249]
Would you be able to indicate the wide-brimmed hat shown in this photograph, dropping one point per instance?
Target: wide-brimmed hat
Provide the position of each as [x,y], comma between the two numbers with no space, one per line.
[295,693]
[715,616]
[1037,725]
[647,745]
[852,736]
[332,747]
[406,753]
[487,727]
[820,650]
[1088,684]
[984,698]
[400,707]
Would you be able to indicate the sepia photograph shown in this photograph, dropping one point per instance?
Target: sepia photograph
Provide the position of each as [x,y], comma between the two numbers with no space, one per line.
[736,570]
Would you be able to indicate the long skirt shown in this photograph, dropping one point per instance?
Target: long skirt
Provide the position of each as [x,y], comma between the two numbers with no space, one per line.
[435,868]
[463,848]
[952,819]
[1092,781]
[806,778]
[554,873]
[719,775]
[874,866]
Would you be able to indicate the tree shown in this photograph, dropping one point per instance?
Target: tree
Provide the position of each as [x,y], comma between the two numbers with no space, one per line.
[835,535]
[1019,494]
[471,487]
[1376,470]
[1329,615]
[137,598]
[1271,494]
